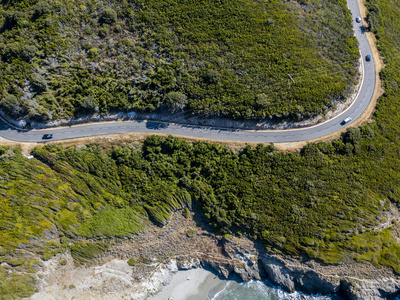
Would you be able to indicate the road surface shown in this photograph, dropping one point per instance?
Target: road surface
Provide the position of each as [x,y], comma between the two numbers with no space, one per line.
[275,136]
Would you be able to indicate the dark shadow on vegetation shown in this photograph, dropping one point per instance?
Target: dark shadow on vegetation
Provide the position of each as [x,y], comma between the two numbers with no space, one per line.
[4,126]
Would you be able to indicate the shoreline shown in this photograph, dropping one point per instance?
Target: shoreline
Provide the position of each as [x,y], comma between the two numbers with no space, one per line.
[203,284]
[212,262]
[193,284]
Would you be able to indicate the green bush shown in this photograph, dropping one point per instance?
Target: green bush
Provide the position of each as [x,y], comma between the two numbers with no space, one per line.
[38,83]
[104,31]
[8,155]
[12,51]
[93,53]
[176,100]
[186,213]
[213,76]
[12,105]
[90,104]
[42,8]
[118,28]
[262,100]
[28,52]
[109,16]
[132,262]
[13,18]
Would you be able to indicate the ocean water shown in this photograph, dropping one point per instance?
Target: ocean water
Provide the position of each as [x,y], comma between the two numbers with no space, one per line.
[258,290]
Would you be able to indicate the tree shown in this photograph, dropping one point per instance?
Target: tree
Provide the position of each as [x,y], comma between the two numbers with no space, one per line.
[90,103]
[176,100]
[262,100]
[13,18]
[12,104]
[11,51]
[108,16]
[42,8]
[39,84]
[93,53]
[28,52]
[352,135]
[213,76]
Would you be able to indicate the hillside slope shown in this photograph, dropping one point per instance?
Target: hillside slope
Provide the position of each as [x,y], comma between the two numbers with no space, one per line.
[335,202]
[225,58]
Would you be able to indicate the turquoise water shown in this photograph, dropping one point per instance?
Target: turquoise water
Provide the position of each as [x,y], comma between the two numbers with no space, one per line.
[257,290]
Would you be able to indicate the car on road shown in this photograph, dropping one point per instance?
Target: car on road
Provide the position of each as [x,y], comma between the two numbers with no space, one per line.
[368,57]
[358,20]
[47,136]
[347,120]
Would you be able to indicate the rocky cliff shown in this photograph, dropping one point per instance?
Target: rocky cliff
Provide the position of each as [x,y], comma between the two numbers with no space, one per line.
[186,243]
[355,281]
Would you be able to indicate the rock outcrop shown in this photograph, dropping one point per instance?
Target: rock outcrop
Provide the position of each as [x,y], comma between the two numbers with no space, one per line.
[302,274]
[161,251]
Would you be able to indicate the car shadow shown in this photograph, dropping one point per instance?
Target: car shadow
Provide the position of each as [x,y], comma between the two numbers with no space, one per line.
[156,125]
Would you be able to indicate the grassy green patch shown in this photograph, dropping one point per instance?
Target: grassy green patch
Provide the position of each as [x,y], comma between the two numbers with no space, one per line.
[82,252]
[14,286]
[115,222]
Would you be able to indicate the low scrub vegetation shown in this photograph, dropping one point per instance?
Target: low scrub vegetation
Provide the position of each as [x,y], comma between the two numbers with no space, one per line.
[230,58]
[333,201]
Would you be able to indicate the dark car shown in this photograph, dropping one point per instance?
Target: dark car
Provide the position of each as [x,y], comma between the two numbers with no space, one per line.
[358,20]
[368,57]
[47,136]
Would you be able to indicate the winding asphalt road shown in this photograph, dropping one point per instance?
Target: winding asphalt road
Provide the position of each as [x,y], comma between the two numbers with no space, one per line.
[276,136]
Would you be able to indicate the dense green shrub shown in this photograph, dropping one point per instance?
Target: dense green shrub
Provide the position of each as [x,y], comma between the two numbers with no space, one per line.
[104,31]
[13,18]
[90,104]
[109,16]
[28,52]
[93,53]
[176,100]
[11,51]
[38,83]
[213,76]
[12,105]
[42,8]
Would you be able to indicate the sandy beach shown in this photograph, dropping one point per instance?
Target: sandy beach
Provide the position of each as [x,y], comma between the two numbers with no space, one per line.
[194,284]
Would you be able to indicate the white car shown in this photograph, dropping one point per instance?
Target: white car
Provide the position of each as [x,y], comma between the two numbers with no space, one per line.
[347,120]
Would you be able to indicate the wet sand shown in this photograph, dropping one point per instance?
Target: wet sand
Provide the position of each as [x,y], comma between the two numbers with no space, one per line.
[194,284]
